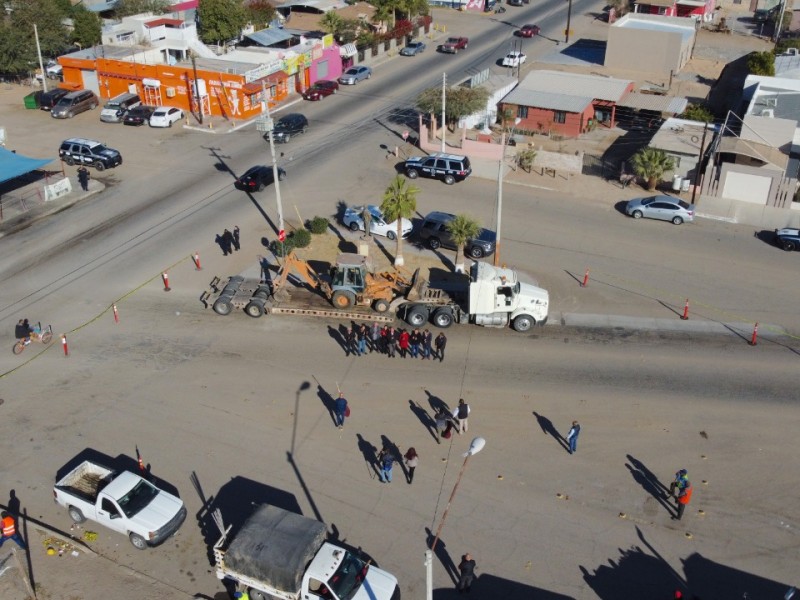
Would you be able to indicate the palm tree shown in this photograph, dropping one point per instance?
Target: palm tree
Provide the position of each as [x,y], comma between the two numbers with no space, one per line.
[461,229]
[383,13]
[399,201]
[331,22]
[652,163]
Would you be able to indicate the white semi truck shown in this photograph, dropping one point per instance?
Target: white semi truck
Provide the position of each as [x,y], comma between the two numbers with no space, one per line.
[490,296]
[280,555]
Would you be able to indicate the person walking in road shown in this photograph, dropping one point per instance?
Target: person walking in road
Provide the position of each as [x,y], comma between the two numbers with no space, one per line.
[83,178]
[427,339]
[235,239]
[10,531]
[681,477]
[467,568]
[391,342]
[341,410]
[684,496]
[572,437]
[461,412]
[227,242]
[412,460]
[362,339]
[441,342]
[386,462]
[414,340]
[404,343]
[375,338]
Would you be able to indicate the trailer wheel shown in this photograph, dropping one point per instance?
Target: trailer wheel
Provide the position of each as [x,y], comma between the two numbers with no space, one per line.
[137,541]
[342,299]
[254,309]
[262,292]
[76,515]
[223,307]
[443,317]
[380,306]
[523,323]
[416,316]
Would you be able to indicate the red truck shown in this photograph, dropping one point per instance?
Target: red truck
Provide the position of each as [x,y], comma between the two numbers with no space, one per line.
[454,44]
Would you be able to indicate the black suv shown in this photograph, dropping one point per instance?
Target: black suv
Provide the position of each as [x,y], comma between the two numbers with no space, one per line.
[257,178]
[287,126]
[447,167]
[89,152]
[49,99]
[788,239]
[434,232]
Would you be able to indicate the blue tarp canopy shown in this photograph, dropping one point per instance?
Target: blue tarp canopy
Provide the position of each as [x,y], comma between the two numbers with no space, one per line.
[13,165]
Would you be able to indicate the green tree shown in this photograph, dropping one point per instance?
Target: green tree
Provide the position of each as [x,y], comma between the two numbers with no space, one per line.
[259,12]
[525,159]
[399,201]
[651,164]
[17,53]
[462,228]
[86,30]
[459,102]
[383,14]
[220,20]
[761,63]
[126,8]
[698,112]
[53,38]
[332,22]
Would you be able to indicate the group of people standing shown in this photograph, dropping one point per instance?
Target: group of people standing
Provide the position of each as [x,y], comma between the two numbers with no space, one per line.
[229,241]
[391,341]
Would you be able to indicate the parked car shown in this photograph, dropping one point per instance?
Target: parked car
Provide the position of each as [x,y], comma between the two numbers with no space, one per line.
[788,239]
[257,178]
[353,219]
[139,115]
[355,74]
[514,2]
[88,152]
[528,31]
[413,48]
[514,59]
[287,126]
[447,167]
[435,234]
[165,116]
[454,44]
[115,109]
[49,99]
[320,89]
[663,208]
[74,103]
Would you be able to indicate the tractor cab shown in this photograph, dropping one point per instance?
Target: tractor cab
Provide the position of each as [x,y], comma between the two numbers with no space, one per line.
[349,273]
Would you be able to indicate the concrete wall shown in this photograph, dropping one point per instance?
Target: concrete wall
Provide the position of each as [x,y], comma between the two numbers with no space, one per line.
[541,119]
[656,52]
[746,213]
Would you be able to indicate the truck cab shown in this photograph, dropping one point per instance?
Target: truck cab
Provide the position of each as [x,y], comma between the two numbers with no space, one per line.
[336,574]
[497,297]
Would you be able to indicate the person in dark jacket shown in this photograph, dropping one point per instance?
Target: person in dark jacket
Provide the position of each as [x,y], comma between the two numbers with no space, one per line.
[427,339]
[467,568]
[83,178]
[391,342]
[22,330]
[235,238]
[362,335]
[340,410]
[227,242]
[441,342]
[415,339]
[386,462]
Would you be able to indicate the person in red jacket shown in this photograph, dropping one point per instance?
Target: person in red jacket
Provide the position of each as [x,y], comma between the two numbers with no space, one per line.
[684,496]
[10,531]
[404,343]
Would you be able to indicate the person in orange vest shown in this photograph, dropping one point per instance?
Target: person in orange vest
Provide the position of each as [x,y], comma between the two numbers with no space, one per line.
[684,496]
[10,531]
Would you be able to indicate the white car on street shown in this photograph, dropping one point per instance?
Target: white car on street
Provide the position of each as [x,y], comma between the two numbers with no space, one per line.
[514,59]
[354,220]
[165,116]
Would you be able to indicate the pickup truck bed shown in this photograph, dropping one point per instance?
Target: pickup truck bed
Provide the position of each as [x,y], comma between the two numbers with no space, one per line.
[86,481]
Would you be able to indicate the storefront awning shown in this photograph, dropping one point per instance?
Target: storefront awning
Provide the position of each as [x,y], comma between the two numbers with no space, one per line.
[270,80]
[13,165]
[348,50]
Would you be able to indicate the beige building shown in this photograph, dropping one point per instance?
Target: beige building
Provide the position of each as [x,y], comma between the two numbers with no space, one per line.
[650,43]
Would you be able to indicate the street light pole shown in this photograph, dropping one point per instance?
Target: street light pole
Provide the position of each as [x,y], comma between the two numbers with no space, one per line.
[569,18]
[499,200]
[444,99]
[268,127]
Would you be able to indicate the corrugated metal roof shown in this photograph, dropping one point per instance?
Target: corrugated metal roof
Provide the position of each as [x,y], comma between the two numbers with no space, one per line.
[547,100]
[575,84]
[267,37]
[665,3]
[666,104]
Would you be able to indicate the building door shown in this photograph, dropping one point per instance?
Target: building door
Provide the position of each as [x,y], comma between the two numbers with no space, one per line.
[90,80]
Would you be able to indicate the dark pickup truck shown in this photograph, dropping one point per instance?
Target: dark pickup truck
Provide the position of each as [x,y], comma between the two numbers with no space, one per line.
[454,44]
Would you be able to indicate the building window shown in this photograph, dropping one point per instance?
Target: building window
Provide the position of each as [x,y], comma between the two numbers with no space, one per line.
[559,116]
[322,69]
[522,112]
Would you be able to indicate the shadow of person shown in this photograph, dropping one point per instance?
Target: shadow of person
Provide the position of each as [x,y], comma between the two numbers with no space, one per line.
[643,477]
[436,403]
[328,402]
[424,418]
[337,337]
[549,429]
[637,464]
[394,450]
[13,504]
[369,452]
[443,555]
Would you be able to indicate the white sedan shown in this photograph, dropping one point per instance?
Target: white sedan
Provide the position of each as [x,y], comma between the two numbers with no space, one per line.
[165,116]
[353,218]
[513,59]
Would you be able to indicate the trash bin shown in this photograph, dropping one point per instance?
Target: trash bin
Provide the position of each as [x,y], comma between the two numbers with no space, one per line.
[685,184]
[32,100]
[676,183]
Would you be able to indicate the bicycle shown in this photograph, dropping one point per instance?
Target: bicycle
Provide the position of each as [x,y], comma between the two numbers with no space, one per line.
[44,336]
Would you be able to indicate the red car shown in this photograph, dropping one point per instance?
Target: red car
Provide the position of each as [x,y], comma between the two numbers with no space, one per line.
[321,89]
[454,44]
[528,31]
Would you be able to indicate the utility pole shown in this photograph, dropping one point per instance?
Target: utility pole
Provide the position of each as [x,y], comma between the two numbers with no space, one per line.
[266,124]
[444,99]
[499,200]
[195,91]
[699,162]
[39,54]
[569,18]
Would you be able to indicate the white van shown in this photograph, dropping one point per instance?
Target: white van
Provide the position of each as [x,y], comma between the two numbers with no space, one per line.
[115,109]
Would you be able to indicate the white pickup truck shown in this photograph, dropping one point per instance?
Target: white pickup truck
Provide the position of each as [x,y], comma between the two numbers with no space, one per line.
[124,502]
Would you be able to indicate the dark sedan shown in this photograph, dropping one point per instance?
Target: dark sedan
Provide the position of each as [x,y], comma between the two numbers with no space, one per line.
[138,115]
[257,178]
[788,238]
[320,89]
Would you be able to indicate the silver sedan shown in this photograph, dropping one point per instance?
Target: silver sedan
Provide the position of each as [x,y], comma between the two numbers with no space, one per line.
[664,208]
[355,74]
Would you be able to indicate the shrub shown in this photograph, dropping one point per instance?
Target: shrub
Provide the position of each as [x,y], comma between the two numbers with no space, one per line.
[281,249]
[300,238]
[318,225]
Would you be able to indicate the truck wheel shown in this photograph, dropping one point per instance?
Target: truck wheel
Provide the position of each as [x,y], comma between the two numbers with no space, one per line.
[523,323]
[434,243]
[788,245]
[262,292]
[412,173]
[449,179]
[443,317]
[99,166]
[254,309]
[137,541]
[223,307]
[342,299]
[476,252]
[417,316]
[70,161]
[76,515]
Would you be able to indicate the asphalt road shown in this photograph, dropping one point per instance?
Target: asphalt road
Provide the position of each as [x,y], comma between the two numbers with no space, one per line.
[225,399]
